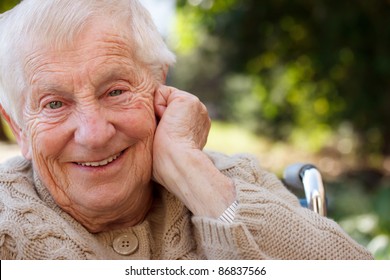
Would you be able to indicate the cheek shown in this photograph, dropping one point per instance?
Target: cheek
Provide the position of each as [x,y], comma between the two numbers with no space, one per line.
[141,128]
[138,124]
[47,144]
[47,141]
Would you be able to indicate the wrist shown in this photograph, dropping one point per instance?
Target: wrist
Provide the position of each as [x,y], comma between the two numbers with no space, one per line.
[194,179]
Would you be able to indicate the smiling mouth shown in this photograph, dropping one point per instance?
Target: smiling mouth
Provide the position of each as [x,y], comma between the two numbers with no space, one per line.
[103,162]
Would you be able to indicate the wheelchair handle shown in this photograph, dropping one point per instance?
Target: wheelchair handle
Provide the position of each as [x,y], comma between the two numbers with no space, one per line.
[307,177]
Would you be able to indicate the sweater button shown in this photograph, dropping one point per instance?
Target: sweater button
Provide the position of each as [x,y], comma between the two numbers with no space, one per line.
[125,244]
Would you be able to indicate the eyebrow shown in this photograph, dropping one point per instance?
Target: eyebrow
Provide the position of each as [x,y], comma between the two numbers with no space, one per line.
[99,77]
[116,72]
[49,86]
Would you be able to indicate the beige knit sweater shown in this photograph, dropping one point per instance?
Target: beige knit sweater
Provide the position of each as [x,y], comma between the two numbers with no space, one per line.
[269,223]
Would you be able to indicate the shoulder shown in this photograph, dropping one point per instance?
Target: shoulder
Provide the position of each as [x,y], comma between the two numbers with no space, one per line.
[17,191]
[251,180]
[29,228]
[15,167]
[224,162]
[16,176]
[245,166]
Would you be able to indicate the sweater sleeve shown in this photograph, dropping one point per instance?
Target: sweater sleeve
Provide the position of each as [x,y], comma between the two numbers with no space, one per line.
[270,223]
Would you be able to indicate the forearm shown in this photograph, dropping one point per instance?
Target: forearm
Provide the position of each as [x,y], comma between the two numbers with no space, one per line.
[198,183]
[275,230]
[270,224]
[179,164]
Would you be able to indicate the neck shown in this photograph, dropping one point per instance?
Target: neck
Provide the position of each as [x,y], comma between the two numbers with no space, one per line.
[127,215]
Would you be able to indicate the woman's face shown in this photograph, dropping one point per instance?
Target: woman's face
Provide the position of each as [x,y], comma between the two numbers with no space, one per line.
[89,125]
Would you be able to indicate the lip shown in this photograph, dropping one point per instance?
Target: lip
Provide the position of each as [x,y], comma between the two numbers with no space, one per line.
[101,164]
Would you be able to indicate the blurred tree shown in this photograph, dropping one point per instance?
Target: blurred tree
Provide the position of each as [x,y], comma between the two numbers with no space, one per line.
[285,65]
[279,65]
[7,4]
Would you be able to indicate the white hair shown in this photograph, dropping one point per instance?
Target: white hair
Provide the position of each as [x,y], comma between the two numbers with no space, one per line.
[56,23]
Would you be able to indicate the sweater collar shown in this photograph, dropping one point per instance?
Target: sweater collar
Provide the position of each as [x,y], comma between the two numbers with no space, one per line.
[165,233]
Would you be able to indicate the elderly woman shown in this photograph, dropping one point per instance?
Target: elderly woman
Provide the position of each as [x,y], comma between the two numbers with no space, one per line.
[113,166]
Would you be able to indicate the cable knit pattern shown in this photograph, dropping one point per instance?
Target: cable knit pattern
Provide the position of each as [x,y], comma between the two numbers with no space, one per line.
[269,223]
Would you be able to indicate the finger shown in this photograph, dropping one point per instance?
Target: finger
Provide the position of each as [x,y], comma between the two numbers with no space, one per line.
[161,98]
[165,95]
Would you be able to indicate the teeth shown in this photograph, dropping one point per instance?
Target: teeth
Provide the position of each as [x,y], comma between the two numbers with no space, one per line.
[100,163]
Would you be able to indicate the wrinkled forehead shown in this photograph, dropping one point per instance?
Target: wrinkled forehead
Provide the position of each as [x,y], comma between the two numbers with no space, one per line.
[97,45]
[93,29]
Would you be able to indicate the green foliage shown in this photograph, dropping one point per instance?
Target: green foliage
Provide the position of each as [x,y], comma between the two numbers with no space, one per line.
[364,215]
[358,202]
[382,207]
[7,4]
[299,70]
[311,72]
[279,65]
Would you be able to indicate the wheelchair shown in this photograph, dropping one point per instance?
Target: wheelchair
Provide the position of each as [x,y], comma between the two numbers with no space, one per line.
[303,177]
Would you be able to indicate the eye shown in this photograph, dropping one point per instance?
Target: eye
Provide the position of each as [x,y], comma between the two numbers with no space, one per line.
[116,92]
[54,105]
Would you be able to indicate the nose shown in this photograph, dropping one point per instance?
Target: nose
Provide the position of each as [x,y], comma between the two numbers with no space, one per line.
[94,130]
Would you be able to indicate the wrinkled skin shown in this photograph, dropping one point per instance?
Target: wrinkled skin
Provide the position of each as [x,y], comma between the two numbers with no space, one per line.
[99,128]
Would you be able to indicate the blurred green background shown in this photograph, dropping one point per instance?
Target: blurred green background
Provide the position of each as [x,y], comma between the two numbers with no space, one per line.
[293,81]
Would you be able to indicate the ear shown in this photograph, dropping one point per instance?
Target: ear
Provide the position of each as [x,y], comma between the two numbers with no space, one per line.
[165,69]
[20,136]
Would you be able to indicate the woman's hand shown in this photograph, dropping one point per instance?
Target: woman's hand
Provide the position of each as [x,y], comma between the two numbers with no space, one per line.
[184,120]
[178,161]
